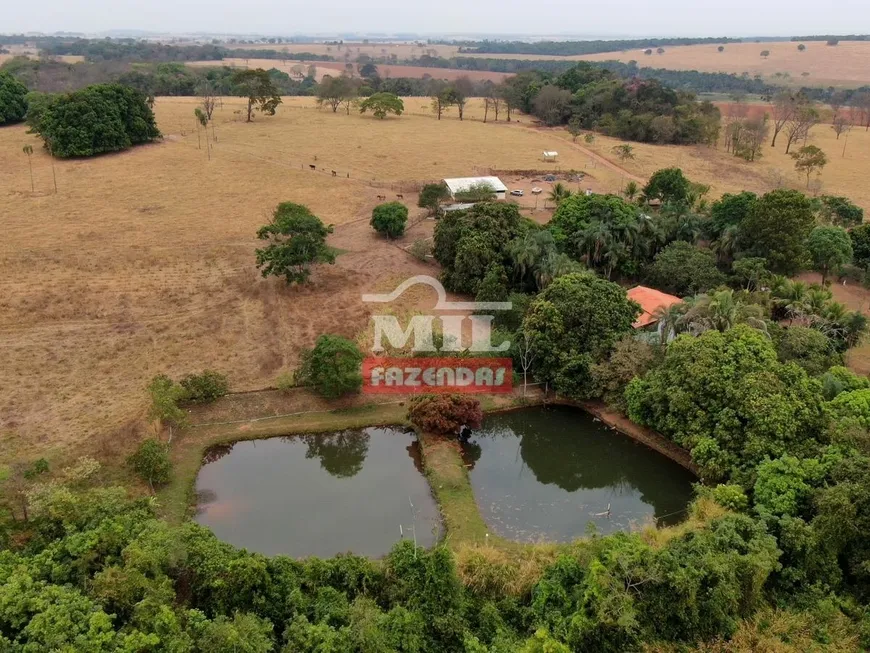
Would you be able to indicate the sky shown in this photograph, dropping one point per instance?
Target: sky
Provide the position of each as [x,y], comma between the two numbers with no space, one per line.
[607,18]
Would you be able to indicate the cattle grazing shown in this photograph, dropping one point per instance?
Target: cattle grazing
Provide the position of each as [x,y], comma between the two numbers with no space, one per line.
[333,173]
[400,197]
[312,167]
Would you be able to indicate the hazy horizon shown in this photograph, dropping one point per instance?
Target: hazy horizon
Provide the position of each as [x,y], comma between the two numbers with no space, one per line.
[506,18]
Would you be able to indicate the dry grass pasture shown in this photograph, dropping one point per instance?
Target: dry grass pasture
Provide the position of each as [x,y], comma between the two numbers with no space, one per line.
[143,262]
[335,67]
[841,65]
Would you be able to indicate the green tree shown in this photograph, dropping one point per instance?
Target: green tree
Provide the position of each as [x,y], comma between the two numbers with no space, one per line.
[726,398]
[776,228]
[332,367]
[151,462]
[630,358]
[166,395]
[729,211]
[431,196]
[809,348]
[380,104]
[683,269]
[808,160]
[560,192]
[97,119]
[390,219]
[860,237]
[575,128]
[574,323]
[668,185]
[830,248]
[258,87]
[840,211]
[296,240]
[750,272]
[13,102]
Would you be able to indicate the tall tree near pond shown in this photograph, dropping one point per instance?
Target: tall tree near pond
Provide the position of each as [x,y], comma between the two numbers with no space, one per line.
[332,367]
[574,323]
[258,88]
[776,228]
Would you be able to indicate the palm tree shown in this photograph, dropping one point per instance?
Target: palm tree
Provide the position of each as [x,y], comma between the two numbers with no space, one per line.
[631,190]
[614,252]
[28,150]
[817,299]
[560,192]
[527,252]
[670,319]
[553,265]
[623,152]
[721,310]
[592,241]
[834,312]
[725,246]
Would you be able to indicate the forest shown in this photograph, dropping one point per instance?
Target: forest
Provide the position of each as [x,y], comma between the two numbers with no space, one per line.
[568,48]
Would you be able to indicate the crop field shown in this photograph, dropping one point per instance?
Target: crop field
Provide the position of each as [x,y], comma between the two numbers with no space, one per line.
[841,65]
[143,262]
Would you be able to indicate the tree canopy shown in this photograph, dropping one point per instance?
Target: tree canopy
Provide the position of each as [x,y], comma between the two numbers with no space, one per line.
[830,248]
[573,324]
[95,120]
[332,367]
[390,219]
[777,227]
[258,87]
[13,102]
[683,269]
[380,104]
[296,239]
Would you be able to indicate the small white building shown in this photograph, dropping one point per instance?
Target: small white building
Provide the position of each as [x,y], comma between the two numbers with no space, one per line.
[463,184]
[550,156]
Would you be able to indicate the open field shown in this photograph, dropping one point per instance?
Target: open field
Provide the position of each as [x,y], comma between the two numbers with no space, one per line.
[335,67]
[726,174]
[144,261]
[402,49]
[842,65]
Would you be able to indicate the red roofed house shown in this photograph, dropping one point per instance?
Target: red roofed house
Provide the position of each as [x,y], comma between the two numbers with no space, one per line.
[650,300]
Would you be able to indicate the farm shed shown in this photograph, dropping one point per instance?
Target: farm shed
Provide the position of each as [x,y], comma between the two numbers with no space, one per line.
[550,156]
[463,184]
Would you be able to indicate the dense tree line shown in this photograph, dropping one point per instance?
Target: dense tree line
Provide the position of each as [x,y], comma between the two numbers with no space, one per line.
[568,48]
[150,51]
[829,37]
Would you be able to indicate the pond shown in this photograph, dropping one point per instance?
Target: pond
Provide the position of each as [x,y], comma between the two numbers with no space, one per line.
[319,494]
[542,474]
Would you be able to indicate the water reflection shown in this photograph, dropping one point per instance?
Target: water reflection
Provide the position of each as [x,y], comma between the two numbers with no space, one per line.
[319,494]
[546,473]
[341,454]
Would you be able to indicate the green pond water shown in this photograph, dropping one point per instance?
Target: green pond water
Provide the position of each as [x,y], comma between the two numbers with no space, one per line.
[546,473]
[324,494]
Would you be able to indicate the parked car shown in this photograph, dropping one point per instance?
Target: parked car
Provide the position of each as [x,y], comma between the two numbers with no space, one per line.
[517,192]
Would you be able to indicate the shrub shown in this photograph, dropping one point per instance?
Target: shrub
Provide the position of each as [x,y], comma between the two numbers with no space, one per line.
[151,462]
[13,105]
[730,496]
[332,368]
[165,397]
[420,249]
[444,414]
[285,382]
[97,119]
[390,219]
[204,388]
[431,196]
